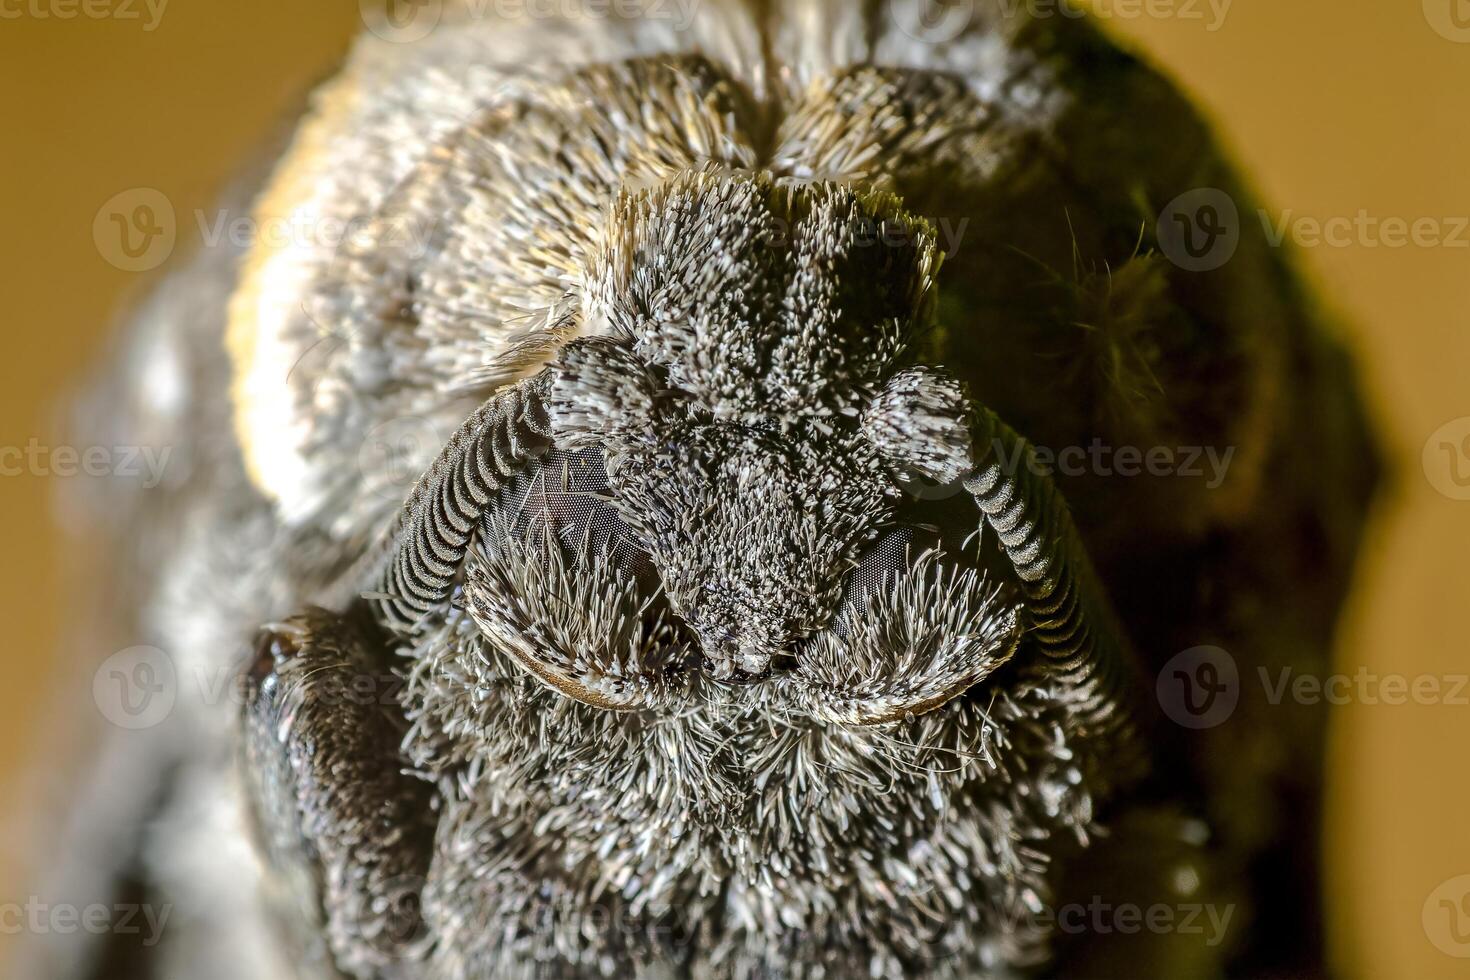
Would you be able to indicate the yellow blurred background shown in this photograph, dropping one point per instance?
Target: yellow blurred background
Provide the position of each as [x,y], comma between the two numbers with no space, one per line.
[1357,112]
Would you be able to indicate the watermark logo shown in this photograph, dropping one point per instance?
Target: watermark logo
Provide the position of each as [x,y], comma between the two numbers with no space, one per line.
[1199,688]
[394,915]
[1199,230]
[136,229]
[933,21]
[401,21]
[395,454]
[1446,917]
[1449,18]
[920,487]
[136,688]
[1446,459]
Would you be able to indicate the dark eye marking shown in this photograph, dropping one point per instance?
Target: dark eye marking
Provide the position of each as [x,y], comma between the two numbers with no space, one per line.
[564,497]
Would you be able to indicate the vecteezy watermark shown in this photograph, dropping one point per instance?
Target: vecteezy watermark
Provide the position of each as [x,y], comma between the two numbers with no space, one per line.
[1199,688]
[1208,463]
[1449,18]
[139,687]
[869,232]
[1211,13]
[244,231]
[938,21]
[395,911]
[1446,459]
[1446,917]
[1366,230]
[37,917]
[406,21]
[136,688]
[1364,686]
[147,12]
[36,459]
[136,230]
[1202,687]
[1200,230]
[1099,916]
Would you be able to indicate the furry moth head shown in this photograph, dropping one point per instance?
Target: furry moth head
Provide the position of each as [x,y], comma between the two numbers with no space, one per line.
[659,586]
[600,438]
[745,326]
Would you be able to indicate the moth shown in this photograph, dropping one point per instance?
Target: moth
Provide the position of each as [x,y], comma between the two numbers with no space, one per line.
[682,525]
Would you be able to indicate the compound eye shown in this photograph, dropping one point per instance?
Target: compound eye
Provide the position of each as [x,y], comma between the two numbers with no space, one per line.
[920,424]
[564,497]
[879,569]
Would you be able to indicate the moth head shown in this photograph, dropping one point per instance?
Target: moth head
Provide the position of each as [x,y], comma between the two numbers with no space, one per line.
[742,328]
[751,522]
